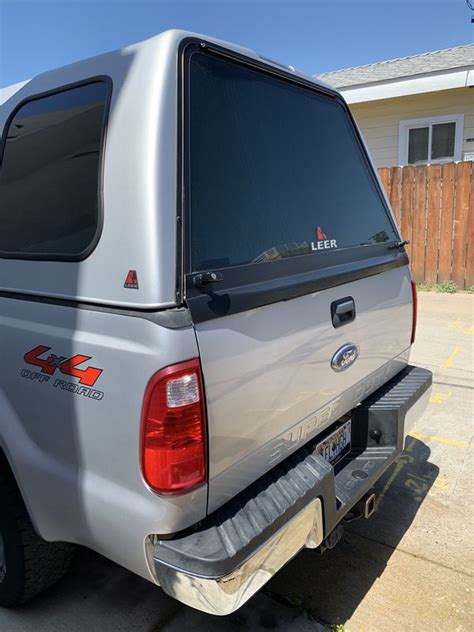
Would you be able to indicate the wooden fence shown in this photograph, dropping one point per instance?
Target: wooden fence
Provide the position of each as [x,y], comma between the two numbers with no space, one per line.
[434,207]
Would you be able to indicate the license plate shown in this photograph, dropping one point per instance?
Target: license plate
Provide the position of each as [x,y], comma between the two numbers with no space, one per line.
[337,444]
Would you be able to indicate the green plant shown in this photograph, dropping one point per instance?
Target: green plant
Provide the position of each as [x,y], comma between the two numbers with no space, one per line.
[421,286]
[471,289]
[448,287]
[335,627]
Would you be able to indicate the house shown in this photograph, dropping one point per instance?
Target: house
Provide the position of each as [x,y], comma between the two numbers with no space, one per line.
[413,110]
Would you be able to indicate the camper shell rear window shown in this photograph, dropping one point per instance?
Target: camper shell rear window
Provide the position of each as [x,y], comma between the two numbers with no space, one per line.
[275,170]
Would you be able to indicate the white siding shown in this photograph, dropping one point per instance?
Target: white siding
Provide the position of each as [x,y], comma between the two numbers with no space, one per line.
[379,120]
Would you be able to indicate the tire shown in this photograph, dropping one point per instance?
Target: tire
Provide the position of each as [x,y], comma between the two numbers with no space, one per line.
[28,564]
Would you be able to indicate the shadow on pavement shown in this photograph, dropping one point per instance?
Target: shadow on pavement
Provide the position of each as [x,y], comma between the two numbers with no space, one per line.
[330,587]
[99,596]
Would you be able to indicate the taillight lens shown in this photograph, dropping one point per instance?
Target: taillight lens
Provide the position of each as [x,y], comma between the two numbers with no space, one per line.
[415,311]
[173,429]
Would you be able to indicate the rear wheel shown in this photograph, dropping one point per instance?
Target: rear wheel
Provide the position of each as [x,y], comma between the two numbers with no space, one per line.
[28,564]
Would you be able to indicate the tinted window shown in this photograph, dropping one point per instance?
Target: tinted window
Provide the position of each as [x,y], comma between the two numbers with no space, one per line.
[49,177]
[442,144]
[275,171]
[418,139]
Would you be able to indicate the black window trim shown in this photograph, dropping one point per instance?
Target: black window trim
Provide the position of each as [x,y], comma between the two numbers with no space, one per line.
[253,285]
[75,258]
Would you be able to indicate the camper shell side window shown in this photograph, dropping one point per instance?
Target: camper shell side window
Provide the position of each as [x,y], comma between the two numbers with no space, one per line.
[50,173]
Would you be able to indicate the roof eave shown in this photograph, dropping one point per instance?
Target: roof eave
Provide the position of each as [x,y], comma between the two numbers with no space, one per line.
[405,86]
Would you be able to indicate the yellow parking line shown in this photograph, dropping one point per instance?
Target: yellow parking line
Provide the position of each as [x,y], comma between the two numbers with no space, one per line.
[441,482]
[459,444]
[469,331]
[449,362]
[400,463]
[440,398]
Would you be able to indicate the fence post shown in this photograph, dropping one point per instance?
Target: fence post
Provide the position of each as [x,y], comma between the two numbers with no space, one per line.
[433,207]
[408,193]
[461,214]
[419,225]
[470,235]
[446,227]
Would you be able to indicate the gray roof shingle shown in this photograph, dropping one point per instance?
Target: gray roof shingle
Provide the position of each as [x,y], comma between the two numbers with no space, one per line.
[437,60]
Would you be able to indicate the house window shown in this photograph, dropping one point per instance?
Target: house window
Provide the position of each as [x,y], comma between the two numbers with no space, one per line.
[431,140]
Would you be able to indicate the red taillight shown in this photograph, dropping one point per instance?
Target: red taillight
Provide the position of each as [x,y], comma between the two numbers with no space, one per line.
[415,311]
[173,429]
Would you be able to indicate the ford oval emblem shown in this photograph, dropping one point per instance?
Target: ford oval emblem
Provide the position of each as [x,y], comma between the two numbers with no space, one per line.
[344,357]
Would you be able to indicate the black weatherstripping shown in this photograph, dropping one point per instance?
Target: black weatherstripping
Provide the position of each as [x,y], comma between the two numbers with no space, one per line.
[255,287]
[235,532]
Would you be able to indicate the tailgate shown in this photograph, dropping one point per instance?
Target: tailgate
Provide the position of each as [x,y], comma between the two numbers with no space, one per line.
[295,276]
[269,382]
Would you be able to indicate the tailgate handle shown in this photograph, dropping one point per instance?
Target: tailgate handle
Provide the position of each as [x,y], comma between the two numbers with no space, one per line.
[343,311]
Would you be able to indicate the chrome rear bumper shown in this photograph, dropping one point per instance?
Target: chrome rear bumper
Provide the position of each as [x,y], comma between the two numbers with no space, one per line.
[221,596]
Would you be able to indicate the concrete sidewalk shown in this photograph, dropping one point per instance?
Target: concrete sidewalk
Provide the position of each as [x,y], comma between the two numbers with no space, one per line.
[408,568]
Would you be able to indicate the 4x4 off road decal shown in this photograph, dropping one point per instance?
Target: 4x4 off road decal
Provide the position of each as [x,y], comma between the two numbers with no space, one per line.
[322,243]
[50,363]
[68,366]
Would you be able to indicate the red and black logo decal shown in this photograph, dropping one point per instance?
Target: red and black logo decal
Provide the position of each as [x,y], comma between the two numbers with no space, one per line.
[68,366]
[131,282]
[320,233]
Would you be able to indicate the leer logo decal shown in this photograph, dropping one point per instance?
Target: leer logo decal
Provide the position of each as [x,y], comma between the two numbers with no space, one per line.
[67,366]
[131,282]
[322,242]
[319,234]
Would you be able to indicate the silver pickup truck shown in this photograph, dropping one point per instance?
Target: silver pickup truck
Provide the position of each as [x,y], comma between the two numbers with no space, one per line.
[206,315]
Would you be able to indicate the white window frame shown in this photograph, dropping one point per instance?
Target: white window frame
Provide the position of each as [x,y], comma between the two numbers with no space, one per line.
[408,124]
